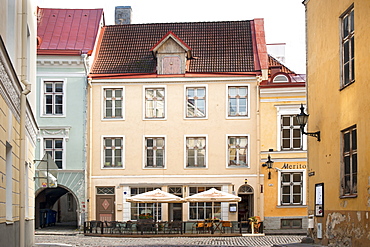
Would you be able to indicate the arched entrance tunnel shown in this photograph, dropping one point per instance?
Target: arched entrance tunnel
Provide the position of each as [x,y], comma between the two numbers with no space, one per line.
[56,207]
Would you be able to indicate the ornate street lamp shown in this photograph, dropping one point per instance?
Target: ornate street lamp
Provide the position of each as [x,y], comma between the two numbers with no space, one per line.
[268,164]
[302,121]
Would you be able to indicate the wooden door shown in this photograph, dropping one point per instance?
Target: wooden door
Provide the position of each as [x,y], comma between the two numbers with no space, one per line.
[105,210]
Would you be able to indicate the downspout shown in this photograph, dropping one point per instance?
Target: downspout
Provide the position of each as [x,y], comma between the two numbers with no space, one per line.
[88,173]
[22,155]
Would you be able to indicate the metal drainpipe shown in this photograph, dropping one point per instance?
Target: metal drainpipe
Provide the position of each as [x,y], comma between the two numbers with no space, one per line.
[22,156]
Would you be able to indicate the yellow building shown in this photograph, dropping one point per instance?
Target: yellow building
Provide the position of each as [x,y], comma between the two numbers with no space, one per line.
[18,127]
[338,103]
[174,106]
[285,183]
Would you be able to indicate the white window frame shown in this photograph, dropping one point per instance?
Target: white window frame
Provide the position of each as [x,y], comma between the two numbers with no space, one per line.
[103,154]
[103,118]
[185,153]
[343,40]
[165,151]
[165,101]
[42,148]
[304,187]
[283,110]
[248,101]
[227,150]
[42,98]
[186,103]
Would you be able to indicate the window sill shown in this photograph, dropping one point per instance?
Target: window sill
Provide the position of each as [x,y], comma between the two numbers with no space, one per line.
[292,206]
[113,119]
[237,167]
[347,196]
[345,86]
[53,116]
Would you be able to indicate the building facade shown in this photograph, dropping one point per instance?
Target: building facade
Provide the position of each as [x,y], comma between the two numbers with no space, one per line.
[174,106]
[337,48]
[285,183]
[18,127]
[66,38]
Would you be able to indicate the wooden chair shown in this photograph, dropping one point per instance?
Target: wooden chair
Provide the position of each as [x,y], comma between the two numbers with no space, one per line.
[175,226]
[227,225]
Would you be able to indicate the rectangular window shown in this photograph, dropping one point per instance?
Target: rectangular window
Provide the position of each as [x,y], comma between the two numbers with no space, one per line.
[196,102]
[113,103]
[154,103]
[291,188]
[53,98]
[154,152]
[291,138]
[54,147]
[203,210]
[348,47]
[291,224]
[349,162]
[113,152]
[237,151]
[145,210]
[238,101]
[195,152]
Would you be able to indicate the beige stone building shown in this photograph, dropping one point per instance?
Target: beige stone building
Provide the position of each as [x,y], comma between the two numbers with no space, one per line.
[175,106]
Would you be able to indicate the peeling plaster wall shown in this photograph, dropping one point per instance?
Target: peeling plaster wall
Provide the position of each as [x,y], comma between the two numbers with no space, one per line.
[344,228]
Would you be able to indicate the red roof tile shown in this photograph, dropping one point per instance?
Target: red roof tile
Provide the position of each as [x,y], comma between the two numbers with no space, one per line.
[69,30]
[216,47]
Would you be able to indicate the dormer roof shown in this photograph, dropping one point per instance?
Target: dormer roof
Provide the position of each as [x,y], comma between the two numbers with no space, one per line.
[165,38]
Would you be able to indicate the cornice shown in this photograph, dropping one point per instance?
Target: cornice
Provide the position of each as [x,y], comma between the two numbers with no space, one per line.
[283,92]
[64,61]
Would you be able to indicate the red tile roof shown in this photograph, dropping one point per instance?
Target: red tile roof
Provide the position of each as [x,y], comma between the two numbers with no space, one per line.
[216,47]
[67,31]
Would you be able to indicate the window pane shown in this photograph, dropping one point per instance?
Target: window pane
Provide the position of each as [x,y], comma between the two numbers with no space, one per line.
[49,99]
[49,109]
[286,133]
[58,143]
[201,92]
[58,155]
[108,142]
[191,92]
[286,199]
[118,142]
[149,142]
[191,157]
[286,189]
[118,93]
[297,177]
[345,26]
[354,139]
[49,143]
[48,88]
[346,142]
[242,91]
[160,142]
[58,109]
[59,87]
[286,121]
[232,91]
[285,177]
[297,199]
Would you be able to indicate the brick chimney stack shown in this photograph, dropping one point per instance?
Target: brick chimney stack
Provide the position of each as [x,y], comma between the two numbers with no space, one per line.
[122,15]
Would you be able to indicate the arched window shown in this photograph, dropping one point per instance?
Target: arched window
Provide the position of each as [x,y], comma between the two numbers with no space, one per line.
[246,189]
[280,79]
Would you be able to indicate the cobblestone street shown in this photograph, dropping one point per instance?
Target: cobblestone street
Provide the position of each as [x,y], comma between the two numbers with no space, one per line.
[81,240]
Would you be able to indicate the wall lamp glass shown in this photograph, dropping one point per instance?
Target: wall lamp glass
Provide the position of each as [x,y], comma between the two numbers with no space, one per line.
[302,121]
[268,164]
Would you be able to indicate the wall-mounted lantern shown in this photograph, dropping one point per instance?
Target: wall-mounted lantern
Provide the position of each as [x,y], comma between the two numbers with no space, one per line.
[268,164]
[302,121]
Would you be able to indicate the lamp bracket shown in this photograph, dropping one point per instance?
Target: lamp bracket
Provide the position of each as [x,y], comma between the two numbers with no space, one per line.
[314,134]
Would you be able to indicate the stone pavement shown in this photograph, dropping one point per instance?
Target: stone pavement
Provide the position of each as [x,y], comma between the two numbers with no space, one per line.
[51,237]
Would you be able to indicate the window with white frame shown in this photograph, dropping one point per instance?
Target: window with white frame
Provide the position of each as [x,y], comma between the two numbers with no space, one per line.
[291,186]
[237,101]
[144,210]
[291,138]
[154,103]
[154,152]
[53,97]
[348,47]
[54,147]
[237,151]
[113,152]
[195,102]
[203,210]
[195,151]
[349,162]
[113,103]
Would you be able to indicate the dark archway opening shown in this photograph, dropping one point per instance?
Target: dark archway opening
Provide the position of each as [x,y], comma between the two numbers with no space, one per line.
[56,207]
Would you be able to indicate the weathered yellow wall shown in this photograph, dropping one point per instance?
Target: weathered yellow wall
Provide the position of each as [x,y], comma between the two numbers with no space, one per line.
[333,110]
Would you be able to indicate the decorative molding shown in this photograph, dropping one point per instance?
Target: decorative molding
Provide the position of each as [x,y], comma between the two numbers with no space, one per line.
[54,131]
[51,61]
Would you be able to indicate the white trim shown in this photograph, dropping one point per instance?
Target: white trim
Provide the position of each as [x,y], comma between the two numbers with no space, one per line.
[42,98]
[248,101]
[123,103]
[291,109]
[180,176]
[285,92]
[123,158]
[248,150]
[165,152]
[250,79]
[186,86]
[206,156]
[165,102]
[304,186]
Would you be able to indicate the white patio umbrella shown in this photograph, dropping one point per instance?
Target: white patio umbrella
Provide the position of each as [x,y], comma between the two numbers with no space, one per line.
[213,195]
[155,196]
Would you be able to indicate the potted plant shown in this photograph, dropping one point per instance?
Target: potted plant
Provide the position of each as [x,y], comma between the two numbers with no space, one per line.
[255,223]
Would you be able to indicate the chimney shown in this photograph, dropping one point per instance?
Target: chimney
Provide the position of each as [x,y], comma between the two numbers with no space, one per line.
[123,15]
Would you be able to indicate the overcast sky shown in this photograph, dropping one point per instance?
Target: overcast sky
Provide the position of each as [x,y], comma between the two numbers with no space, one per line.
[284,19]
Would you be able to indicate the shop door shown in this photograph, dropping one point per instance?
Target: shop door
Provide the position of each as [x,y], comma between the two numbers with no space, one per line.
[175,211]
[245,207]
[105,210]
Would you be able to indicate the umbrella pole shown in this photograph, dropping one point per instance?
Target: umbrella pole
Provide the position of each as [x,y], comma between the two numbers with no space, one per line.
[213,209]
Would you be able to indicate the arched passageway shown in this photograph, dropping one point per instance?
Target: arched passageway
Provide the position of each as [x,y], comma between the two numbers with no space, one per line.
[56,206]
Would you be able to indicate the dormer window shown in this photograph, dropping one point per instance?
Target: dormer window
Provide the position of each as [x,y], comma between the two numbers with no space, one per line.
[280,79]
[172,54]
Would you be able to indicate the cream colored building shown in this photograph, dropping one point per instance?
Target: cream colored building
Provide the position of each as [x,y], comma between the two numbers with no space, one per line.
[18,127]
[179,112]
